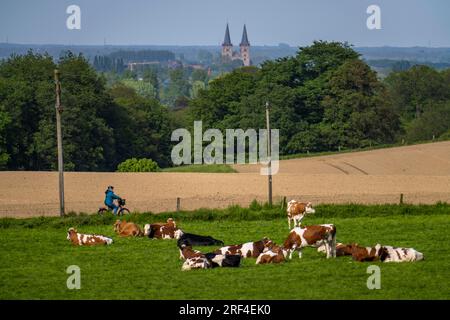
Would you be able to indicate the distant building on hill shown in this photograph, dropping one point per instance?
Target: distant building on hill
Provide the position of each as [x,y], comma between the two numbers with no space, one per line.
[244,52]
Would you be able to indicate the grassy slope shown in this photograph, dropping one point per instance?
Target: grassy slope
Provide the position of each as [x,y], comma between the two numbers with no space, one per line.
[34,259]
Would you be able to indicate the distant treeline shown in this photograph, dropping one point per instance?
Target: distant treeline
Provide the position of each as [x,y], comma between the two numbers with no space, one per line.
[402,65]
[116,61]
[108,64]
[143,55]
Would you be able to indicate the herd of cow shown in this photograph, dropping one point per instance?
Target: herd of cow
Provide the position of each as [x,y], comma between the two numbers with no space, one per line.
[322,237]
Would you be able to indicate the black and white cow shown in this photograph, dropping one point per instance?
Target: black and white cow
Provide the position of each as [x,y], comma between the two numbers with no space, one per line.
[224,260]
[190,239]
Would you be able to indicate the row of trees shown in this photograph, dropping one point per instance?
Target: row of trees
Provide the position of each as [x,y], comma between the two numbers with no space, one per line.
[101,126]
[323,99]
[326,98]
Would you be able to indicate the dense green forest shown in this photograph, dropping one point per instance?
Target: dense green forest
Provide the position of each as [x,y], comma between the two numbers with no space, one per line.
[323,99]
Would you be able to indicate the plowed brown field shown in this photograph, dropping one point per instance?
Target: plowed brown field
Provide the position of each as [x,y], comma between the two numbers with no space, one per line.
[420,172]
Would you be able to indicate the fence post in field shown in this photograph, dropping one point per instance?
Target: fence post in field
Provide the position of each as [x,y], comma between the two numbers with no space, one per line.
[269,151]
[59,110]
[401,198]
[178,204]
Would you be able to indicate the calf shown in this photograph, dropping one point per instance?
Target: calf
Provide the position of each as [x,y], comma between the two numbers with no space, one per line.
[312,236]
[79,239]
[296,211]
[127,229]
[224,260]
[190,239]
[246,250]
[161,230]
[275,254]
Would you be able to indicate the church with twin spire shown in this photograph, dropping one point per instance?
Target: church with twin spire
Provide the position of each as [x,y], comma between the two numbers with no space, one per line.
[244,48]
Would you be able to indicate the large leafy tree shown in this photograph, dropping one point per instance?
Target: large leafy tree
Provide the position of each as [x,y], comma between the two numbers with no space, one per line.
[414,90]
[26,88]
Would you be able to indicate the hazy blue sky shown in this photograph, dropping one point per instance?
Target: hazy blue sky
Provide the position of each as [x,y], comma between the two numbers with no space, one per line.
[202,22]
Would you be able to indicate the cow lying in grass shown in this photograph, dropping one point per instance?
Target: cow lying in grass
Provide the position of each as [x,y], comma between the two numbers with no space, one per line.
[161,230]
[341,249]
[224,260]
[246,250]
[385,254]
[275,254]
[312,236]
[194,259]
[127,229]
[296,211]
[196,263]
[190,239]
[80,239]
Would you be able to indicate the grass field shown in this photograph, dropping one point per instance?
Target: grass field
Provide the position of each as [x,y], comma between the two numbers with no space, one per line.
[35,255]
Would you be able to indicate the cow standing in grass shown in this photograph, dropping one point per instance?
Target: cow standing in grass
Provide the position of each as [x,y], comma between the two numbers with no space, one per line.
[296,211]
[312,236]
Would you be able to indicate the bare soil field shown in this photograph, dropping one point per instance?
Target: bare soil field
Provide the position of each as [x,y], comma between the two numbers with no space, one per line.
[420,172]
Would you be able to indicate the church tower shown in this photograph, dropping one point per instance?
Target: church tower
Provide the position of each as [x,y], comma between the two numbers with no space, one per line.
[227,46]
[245,48]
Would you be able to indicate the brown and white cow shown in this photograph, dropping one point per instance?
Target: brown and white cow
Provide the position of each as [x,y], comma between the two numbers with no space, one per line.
[341,249]
[275,254]
[186,252]
[385,254]
[127,229]
[296,211]
[161,230]
[196,263]
[312,236]
[246,250]
[362,254]
[80,239]
[391,254]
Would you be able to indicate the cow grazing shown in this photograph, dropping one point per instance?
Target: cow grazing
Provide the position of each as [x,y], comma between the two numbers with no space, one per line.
[391,254]
[127,229]
[312,236]
[224,260]
[80,239]
[296,211]
[275,254]
[246,250]
[161,230]
[190,239]
[196,263]
[341,249]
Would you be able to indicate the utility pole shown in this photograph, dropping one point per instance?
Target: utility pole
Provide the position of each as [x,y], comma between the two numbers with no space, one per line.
[59,110]
[269,152]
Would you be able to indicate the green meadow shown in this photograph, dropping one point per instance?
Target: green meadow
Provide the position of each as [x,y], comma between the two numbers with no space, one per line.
[35,255]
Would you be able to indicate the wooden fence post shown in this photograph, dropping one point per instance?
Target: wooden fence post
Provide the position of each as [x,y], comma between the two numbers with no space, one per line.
[178,204]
